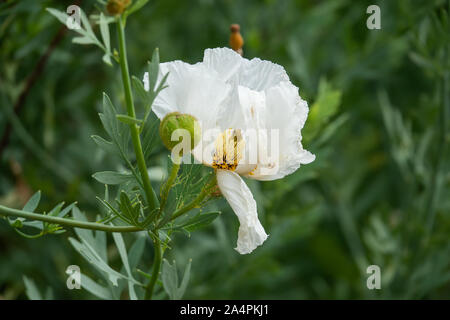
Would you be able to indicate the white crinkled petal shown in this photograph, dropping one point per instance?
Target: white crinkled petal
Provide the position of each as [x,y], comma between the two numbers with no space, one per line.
[224,61]
[260,75]
[251,232]
[286,112]
[192,89]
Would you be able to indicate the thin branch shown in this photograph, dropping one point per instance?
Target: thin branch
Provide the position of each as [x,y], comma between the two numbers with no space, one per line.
[66,222]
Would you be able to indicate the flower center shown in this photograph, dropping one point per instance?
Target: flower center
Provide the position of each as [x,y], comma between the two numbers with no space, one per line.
[229,148]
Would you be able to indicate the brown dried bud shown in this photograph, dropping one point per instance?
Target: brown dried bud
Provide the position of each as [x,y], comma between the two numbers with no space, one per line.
[236,40]
[235,28]
[116,7]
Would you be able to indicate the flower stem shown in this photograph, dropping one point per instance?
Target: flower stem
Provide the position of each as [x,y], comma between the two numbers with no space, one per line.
[155,271]
[66,222]
[149,192]
[168,185]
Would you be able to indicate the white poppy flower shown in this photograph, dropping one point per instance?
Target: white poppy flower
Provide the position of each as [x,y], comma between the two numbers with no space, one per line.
[233,97]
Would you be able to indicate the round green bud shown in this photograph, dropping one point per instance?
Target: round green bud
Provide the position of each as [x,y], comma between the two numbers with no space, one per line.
[174,121]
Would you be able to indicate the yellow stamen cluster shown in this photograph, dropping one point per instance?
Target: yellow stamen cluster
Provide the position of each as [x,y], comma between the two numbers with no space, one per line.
[229,149]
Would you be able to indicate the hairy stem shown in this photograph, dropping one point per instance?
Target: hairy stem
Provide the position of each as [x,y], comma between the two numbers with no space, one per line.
[155,271]
[65,221]
[149,192]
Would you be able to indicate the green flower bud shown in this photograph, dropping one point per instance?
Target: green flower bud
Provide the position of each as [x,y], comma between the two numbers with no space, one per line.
[174,121]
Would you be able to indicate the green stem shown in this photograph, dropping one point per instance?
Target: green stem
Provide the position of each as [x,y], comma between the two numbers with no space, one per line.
[155,271]
[168,185]
[197,201]
[149,192]
[66,222]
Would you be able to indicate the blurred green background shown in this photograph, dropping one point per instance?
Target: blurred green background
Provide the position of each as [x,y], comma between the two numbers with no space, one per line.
[378,192]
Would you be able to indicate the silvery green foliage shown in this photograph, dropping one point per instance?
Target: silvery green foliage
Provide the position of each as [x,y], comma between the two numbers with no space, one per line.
[310,255]
[128,207]
[86,34]
[93,247]
[170,281]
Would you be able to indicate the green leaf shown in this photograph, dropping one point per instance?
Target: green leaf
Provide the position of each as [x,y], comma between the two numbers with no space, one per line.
[33,203]
[185,281]
[104,30]
[199,221]
[96,240]
[92,256]
[150,134]
[189,184]
[162,85]
[113,211]
[170,279]
[120,244]
[118,131]
[97,290]
[87,26]
[128,209]
[128,120]
[87,35]
[61,16]
[107,59]
[55,211]
[107,146]
[138,86]
[30,206]
[66,210]
[153,70]
[112,177]
[325,106]
[136,251]
[108,117]
[83,40]
[31,290]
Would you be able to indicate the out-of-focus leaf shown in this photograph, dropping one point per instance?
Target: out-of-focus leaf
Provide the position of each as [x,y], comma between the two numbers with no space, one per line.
[31,289]
[107,146]
[33,203]
[112,177]
[97,290]
[136,251]
[325,106]
[199,221]
[120,244]
[185,281]
[170,279]
[104,30]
